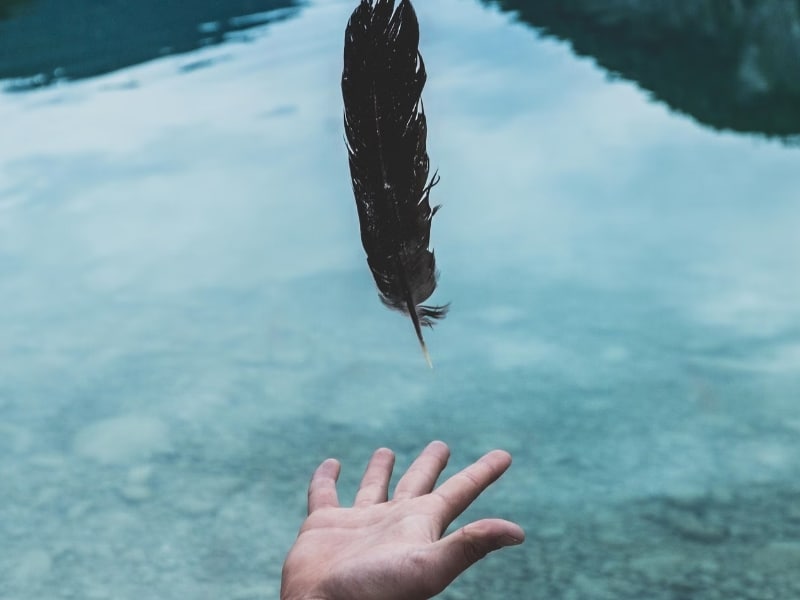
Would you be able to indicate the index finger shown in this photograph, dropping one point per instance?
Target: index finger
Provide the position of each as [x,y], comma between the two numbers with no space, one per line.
[461,489]
[322,488]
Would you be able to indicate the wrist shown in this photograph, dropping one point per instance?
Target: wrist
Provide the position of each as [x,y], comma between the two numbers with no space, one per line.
[301,593]
[301,583]
[301,597]
[304,592]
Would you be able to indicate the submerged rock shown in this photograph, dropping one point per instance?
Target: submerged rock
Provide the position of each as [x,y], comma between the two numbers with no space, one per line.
[780,555]
[658,567]
[33,566]
[123,440]
[695,528]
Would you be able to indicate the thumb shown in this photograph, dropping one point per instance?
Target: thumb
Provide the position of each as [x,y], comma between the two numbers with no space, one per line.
[458,551]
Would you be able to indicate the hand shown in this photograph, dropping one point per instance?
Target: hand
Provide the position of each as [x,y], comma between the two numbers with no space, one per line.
[393,550]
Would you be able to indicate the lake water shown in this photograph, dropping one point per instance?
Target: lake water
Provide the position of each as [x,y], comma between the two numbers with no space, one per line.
[189,325]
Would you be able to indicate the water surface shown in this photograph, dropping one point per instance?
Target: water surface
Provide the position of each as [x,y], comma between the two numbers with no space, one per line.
[189,325]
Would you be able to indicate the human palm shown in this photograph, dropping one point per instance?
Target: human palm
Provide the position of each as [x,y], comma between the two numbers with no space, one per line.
[393,549]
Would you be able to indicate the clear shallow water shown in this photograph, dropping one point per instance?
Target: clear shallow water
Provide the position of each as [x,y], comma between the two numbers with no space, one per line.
[189,325]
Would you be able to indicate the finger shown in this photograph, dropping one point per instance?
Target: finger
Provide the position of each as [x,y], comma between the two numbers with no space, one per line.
[461,489]
[322,489]
[423,472]
[375,482]
[464,547]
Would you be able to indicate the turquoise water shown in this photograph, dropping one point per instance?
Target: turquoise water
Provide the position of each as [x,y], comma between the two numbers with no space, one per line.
[189,326]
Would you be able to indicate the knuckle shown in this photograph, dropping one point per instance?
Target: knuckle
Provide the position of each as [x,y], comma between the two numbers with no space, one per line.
[471,478]
[472,547]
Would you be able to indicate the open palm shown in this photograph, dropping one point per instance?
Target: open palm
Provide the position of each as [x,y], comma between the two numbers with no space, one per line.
[393,549]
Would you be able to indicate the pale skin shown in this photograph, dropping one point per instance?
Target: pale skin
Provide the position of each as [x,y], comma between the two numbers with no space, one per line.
[394,549]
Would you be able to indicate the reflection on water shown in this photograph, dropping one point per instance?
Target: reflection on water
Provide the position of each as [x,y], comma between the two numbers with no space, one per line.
[42,41]
[189,326]
[730,65]
[9,7]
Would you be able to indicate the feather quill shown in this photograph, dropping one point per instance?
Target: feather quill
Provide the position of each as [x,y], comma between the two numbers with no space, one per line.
[386,135]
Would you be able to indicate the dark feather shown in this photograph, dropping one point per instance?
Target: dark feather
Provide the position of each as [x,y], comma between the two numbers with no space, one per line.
[386,134]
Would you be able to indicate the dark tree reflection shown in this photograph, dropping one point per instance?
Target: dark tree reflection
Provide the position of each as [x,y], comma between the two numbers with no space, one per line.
[42,41]
[730,64]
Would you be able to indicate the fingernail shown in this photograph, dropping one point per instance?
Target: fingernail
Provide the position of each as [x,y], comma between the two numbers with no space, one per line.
[510,540]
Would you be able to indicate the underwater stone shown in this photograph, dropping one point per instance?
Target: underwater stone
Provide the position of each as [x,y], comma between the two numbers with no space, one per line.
[692,526]
[660,567]
[203,494]
[781,556]
[122,439]
[33,565]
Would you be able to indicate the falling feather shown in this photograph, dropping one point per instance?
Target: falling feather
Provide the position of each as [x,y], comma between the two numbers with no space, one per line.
[386,134]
